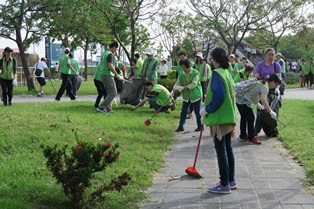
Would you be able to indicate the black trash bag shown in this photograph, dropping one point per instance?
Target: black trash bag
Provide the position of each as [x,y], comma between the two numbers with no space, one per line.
[132,91]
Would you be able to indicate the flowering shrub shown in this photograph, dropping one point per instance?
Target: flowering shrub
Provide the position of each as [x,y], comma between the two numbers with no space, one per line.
[168,83]
[292,78]
[74,169]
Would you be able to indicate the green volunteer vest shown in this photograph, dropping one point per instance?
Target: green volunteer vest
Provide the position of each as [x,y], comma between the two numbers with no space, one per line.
[201,69]
[283,67]
[7,70]
[237,77]
[119,63]
[139,65]
[209,72]
[195,93]
[163,95]
[239,64]
[64,68]
[147,69]
[104,64]
[75,65]
[308,68]
[303,71]
[226,113]
[97,73]
[232,70]
[179,69]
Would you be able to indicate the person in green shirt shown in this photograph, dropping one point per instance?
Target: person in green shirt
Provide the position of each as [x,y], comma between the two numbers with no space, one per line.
[233,66]
[302,73]
[203,69]
[101,90]
[136,70]
[182,56]
[156,95]
[107,74]
[238,62]
[309,70]
[189,84]
[73,77]
[243,74]
[66,69]
[219,113]
[279,59]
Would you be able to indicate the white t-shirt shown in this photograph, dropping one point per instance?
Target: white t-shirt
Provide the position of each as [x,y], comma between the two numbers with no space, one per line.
[41,66]
[162,69]
[294,65]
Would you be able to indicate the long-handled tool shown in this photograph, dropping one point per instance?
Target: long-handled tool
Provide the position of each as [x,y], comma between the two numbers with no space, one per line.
[192,170]
[54,89]
[149,120]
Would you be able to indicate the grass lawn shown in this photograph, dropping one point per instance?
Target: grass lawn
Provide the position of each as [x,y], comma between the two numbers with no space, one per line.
[86,88]
[298,136]
[26,182]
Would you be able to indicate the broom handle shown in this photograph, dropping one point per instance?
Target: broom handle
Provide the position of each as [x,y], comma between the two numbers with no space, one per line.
[198,145]
[170,96]
[51,83]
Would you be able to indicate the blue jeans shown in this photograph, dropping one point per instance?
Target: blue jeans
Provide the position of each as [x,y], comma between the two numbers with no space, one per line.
[153,104]
[184,111]
[226,162]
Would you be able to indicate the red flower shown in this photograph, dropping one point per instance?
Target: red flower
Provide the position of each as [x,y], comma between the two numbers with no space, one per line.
[81,141]
[118,156]
[107,144]
[106,154]
[78,149]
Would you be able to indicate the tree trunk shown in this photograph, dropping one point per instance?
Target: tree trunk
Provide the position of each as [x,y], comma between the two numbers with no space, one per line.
[30,83]
[85,57]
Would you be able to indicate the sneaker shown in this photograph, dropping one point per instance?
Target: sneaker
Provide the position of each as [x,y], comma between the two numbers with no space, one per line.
[198,129]
[189,116]
[57,100]
[232,184]
[243,139]
[254,141]
[179,129]
[101,109]
[219,189]
[164,112]
[10,103]
[40,95]
[256,133]
[109,110]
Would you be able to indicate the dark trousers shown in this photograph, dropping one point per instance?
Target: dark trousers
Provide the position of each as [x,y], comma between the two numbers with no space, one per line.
[153,104]
[101,91]
[204,88]
[184,110]
[309,79]
[66,85]
[226,162]
[7,90]
[246,121]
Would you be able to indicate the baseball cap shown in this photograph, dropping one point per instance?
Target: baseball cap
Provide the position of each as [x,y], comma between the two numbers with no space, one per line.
[8,49]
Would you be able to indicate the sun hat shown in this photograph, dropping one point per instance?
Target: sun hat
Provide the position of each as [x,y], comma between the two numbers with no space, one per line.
[199,54]
[149,51]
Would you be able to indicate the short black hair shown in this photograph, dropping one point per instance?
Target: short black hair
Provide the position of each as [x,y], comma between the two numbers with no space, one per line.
[249,68]
[182,53]
[149,83]
[185,62]
[273,77]
[137,55]
[221,57]
[71,55]
[114,44]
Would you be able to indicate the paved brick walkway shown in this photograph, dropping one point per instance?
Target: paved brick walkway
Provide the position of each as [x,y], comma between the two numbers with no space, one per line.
[267,176]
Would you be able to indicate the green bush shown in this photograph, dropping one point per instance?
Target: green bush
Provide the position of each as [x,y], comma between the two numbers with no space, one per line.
[171,74]
[292,78]
[168,83]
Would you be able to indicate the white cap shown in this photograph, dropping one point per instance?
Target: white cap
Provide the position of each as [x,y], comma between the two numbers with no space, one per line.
[199,54]
[279,54]
[149,51]
[67,49]
[232,55]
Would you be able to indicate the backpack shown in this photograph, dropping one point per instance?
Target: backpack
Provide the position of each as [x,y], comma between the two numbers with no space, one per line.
[242,87]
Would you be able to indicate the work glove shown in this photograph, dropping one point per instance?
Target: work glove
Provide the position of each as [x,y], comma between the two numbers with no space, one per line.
[119,77]
[179,88]
[273,115]
[14,82]
[202,120]
[260,106]
[81,78]
[203,112]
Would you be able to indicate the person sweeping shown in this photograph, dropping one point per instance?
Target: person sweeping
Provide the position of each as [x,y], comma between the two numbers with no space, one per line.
[219,113]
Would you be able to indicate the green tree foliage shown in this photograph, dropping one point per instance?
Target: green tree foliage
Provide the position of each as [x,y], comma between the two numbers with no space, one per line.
[20,22]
